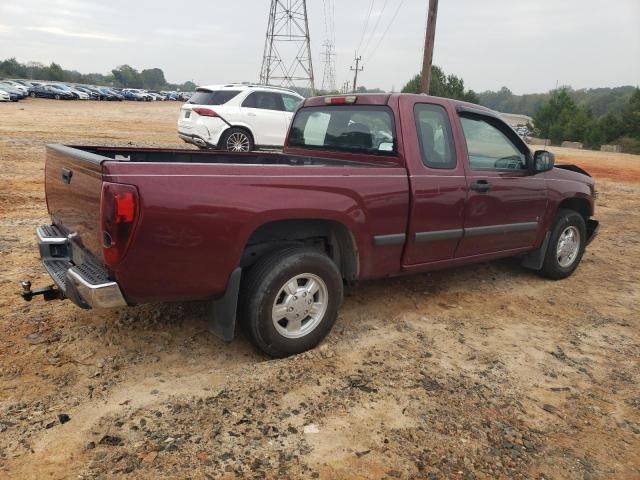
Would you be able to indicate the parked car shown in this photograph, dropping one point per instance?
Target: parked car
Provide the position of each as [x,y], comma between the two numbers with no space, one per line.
[111,94]
[26,83]
[13,91]
[77,94]
[368,186]
[22,88]
[50,91]
[132,95]
[93,95]
[5,97]
[237,117]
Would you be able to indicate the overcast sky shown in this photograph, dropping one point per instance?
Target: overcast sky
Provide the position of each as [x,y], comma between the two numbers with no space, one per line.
[526,45]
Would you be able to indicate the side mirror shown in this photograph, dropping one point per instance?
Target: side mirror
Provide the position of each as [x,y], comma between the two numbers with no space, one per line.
[543,161]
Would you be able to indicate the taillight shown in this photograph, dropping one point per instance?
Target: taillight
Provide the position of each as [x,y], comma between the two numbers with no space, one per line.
[204,112]
[348,100]
[119,211]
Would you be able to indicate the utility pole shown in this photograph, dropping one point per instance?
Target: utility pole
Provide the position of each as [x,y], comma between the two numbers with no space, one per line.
[355,75]
[428,46]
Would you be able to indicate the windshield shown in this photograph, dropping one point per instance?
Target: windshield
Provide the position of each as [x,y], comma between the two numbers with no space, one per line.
[356,129]
[215,97]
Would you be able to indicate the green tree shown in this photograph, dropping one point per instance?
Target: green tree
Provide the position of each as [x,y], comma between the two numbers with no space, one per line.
[153,79]
[552,118]
[55,72]
[442,85]
[631,116]
[126,76]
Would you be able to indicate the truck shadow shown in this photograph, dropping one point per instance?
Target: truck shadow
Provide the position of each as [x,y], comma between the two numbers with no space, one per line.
[181,328]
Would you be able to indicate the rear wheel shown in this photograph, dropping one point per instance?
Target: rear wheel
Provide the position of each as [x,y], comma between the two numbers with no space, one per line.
[237,140]
[290,300]
[566,245]
[57,97]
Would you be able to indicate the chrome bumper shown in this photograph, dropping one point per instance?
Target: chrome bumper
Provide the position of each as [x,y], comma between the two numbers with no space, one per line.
[77,274]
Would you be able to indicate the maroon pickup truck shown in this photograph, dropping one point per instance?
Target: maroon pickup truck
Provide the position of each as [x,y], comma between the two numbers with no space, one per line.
[368,186]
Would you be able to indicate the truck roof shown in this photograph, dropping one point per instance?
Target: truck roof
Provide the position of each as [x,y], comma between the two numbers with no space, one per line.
[383,99]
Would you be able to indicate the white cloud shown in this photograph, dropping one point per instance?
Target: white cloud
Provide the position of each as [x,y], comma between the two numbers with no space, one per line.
[89,35]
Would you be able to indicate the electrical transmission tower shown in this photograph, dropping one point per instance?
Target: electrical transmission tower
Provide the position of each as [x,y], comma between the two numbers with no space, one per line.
[287,49]
[329,77]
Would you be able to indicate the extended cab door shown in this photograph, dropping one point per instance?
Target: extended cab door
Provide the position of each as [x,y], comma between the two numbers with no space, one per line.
[437,181]
[506,202]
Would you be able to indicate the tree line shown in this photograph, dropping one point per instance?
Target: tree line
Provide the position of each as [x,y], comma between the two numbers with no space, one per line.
[123,76]
[562,118]
[594,117]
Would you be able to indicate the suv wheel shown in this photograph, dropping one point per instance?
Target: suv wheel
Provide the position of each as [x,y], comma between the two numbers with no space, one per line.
[566,245]
[237,140]
[290,300]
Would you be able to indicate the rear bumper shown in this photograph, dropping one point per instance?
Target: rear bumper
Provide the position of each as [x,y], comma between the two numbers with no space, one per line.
[196,140]
[78,275]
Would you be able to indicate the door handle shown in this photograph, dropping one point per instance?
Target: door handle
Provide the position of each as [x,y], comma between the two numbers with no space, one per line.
[66,175]
[481,186]
[251,114]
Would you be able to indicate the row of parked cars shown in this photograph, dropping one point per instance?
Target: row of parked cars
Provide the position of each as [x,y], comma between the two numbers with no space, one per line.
[17,89]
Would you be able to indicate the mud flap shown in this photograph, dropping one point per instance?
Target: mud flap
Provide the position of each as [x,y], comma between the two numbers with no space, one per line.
[222,318]
[535,259]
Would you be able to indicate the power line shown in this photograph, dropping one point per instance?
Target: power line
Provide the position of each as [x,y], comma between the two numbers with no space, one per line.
[366,24]
[375,26]
[395,14]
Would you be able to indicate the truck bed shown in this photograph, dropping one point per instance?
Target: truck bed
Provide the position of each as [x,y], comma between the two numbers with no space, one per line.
[200,209]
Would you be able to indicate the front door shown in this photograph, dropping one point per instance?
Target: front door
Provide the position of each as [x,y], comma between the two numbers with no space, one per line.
[505,201]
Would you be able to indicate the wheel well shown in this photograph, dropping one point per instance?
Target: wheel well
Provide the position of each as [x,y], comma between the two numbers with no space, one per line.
[239,127]
[331,237]
[579,205]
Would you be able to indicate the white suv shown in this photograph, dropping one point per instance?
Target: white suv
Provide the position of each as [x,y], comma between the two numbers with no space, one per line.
[238,117]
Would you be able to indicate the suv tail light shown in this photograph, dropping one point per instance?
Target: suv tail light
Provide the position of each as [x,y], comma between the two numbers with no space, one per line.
[119,212]
[204,112]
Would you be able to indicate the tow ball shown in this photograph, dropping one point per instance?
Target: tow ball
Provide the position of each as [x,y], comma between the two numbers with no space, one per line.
[48,293]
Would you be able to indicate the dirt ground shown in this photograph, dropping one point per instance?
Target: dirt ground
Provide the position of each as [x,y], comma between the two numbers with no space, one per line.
[480,372]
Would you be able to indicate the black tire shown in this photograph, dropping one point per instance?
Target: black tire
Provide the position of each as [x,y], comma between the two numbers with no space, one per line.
[552,267]
[32,94]
[57,97]
[264,281]
[226,142]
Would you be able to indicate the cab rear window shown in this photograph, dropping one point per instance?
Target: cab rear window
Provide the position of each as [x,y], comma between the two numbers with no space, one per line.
[215,97]
[350,128]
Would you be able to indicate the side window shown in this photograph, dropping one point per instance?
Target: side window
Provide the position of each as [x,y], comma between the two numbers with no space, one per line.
[434,135]
[264,100]
[490,148]
[290,102]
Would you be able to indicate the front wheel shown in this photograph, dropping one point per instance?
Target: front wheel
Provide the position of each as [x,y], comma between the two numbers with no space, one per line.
[566,245]
[290,300]
[237,140]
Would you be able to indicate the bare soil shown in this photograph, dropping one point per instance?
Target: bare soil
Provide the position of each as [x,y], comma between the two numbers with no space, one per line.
[480,372]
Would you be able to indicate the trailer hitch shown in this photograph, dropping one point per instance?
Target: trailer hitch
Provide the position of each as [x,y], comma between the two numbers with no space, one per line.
[48,293]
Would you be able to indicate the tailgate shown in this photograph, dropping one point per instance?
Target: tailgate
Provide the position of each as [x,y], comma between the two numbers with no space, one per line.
[73,184]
